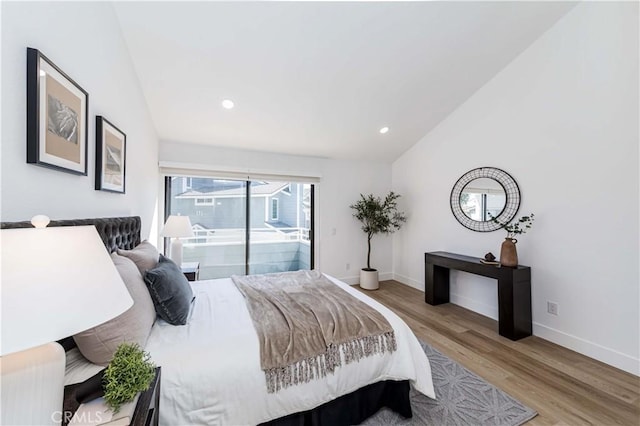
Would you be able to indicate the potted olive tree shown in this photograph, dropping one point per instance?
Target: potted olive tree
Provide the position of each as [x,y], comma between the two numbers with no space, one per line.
[377,216]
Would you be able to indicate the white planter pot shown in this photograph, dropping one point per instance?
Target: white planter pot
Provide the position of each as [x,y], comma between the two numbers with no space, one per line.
[369,279]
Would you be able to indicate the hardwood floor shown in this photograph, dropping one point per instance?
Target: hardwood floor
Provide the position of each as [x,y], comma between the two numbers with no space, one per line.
[563,386]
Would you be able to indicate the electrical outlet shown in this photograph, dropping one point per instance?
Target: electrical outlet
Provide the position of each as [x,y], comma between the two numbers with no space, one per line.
[552,308]
[348,266]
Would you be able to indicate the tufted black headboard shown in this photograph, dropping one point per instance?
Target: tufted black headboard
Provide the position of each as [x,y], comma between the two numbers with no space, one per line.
[116,232]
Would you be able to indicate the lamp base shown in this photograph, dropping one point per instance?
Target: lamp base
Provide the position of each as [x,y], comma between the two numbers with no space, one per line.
[176,251]
[32,384]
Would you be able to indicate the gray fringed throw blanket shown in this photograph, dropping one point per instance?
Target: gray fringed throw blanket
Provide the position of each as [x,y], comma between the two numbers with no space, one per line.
[308,326]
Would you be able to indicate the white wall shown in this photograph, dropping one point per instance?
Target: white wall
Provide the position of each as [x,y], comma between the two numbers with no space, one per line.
[84,40]
[562,119]
[341,183]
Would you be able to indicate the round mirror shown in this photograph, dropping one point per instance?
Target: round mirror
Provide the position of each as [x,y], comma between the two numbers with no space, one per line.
[482,199]
[483,193]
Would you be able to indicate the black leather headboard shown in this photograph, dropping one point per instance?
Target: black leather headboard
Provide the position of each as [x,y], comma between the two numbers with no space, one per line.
[116,232]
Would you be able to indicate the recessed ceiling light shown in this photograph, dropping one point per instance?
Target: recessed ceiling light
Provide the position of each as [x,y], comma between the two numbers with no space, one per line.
[228,104]
[384,130]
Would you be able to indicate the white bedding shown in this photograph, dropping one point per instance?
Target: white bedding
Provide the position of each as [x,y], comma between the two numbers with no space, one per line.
[211,367]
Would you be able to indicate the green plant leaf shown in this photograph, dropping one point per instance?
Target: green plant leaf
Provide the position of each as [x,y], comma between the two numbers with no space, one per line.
[378,216]
[129,373]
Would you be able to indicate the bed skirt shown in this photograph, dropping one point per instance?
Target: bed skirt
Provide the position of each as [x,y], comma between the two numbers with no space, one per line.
[355,407]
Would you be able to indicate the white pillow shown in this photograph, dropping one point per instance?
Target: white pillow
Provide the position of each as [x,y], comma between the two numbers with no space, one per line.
[144,255]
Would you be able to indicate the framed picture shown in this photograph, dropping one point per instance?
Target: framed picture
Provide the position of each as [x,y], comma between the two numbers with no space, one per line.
[57,111]
[111,156]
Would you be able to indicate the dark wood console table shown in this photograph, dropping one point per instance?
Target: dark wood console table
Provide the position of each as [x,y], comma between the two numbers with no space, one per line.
[514,288]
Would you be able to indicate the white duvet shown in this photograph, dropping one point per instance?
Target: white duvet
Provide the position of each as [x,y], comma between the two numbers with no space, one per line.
[211,367]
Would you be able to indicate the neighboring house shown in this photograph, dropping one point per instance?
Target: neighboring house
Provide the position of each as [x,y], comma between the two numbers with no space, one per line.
[280,218]
[220,204]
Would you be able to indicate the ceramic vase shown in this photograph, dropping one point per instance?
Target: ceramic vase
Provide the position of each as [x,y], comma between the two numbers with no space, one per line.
[508,253]
[369,279]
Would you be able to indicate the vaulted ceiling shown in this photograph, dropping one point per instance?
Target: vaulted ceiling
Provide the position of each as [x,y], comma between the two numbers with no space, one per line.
[320,79]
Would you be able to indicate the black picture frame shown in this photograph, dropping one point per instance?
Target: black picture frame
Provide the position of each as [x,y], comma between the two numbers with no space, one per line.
[111,157]
[57,117]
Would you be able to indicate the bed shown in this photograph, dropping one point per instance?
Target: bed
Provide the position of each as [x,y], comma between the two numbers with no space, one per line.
[211,367]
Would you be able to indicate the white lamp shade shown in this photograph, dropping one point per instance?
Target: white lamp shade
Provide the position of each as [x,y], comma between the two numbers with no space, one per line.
[56,282]
[177,226]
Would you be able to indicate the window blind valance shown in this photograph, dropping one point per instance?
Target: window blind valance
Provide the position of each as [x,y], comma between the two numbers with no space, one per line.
[168,168]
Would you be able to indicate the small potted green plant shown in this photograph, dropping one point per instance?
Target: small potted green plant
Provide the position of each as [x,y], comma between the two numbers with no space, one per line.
[377,216]
[508,252]
[129,373]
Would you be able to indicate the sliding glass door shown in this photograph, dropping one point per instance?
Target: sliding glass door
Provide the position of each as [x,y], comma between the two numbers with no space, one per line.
[280,227]
[272,232]
[217,211]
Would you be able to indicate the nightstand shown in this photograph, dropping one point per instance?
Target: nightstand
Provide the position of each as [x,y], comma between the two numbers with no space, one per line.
[191,270]
[146,411]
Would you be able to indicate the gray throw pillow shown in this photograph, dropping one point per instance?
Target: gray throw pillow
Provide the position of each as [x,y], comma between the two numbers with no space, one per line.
[170,291]
[144,255]
[98,344]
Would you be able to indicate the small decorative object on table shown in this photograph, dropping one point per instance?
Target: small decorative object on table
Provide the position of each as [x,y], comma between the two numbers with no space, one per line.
[129,373]
[508,252]
[489,259]
[142,411]
[125,393]
[91,388]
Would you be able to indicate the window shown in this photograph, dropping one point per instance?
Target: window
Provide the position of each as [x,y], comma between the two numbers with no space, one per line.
[183,182]
[243,227]
[204,201]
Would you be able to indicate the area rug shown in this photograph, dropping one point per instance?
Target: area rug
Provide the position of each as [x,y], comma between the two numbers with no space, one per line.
[463,398]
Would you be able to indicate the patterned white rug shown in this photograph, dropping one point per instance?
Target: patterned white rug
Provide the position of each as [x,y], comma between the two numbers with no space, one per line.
[463,398]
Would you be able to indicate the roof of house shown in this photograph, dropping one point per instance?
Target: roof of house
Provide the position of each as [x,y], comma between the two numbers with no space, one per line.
[257,188]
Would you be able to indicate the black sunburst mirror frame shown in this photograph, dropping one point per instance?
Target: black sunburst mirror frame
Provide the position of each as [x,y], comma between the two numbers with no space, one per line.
[512,202]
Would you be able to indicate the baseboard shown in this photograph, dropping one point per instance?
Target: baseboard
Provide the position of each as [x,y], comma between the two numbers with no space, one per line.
[465,302]
[384,276]
[403,279]
[353,280]
[593,350]
[475,306]
[350,280]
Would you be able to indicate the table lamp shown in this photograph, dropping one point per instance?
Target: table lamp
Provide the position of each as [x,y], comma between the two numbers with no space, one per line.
[56,282]
[177,227]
